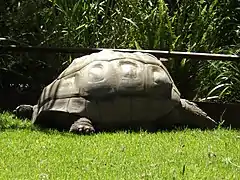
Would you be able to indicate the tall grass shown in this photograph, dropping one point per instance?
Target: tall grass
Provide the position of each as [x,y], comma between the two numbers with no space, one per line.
[115,24]
[198,26]
[221,82]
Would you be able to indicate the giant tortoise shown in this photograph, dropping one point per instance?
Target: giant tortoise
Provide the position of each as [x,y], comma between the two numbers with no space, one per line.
[111,90]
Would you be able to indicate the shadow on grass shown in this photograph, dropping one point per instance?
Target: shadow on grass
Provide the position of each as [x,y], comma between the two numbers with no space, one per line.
[177,128]
[10,121]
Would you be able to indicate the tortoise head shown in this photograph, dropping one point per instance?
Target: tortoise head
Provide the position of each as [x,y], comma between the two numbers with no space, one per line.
[24,111]
[190,113]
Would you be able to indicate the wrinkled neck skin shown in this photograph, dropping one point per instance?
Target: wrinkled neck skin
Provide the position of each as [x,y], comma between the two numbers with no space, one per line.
[191,114]
[24,111]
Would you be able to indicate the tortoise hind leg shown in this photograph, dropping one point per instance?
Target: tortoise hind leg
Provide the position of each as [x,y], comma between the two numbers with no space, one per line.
[191,114]
[82,126]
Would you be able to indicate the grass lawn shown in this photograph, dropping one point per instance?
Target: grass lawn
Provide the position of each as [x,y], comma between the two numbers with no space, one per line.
[27,153]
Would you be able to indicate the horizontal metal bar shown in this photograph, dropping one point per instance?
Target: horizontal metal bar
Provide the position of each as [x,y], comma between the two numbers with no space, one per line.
[157,53]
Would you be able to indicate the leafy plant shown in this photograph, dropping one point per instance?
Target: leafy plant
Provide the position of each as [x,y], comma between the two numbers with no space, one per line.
[221,83]
[196,26]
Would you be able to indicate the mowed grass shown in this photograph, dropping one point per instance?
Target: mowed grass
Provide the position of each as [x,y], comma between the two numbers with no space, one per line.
[27,153]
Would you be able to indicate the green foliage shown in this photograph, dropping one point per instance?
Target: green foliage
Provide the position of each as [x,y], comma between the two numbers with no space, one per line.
[27,22]
[23,21]
[9,121]
[115,24]
[197,26]
[221,82]
[200,26]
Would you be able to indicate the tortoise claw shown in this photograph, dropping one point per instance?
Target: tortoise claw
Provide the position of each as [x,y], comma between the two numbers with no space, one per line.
[82,126]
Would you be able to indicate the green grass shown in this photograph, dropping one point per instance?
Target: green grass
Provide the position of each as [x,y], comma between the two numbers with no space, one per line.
[26,153]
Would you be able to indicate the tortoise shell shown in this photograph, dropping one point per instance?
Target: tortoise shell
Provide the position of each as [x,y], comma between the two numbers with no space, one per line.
[111,86]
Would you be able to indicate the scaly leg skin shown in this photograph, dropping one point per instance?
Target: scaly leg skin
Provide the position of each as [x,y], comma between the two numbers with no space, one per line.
[192,114]
[82,126]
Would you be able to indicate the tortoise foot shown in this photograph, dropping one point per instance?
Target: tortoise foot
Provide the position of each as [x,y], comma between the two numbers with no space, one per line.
[82,126]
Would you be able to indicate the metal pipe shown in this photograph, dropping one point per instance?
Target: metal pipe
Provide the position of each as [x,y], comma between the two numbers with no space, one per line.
[157,53]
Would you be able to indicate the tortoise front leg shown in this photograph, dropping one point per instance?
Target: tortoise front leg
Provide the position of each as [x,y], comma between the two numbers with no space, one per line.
[82,126]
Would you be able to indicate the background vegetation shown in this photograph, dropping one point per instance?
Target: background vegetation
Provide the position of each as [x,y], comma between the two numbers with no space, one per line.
[183,25]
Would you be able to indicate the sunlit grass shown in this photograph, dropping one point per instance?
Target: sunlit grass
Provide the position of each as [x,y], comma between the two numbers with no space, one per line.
[189,154]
